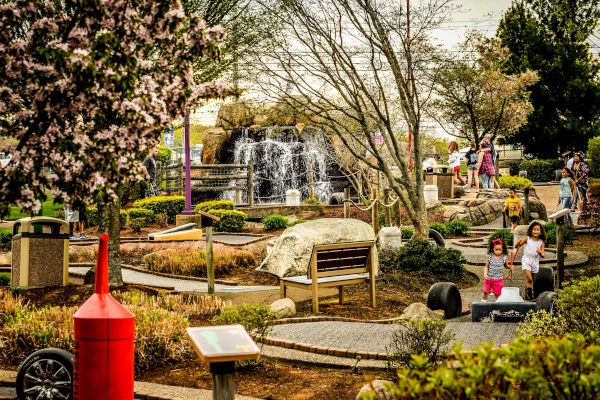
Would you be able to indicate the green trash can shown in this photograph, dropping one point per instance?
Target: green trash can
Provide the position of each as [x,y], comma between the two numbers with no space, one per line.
[40,252]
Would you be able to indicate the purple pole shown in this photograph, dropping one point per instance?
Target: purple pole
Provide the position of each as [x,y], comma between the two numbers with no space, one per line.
[188,167]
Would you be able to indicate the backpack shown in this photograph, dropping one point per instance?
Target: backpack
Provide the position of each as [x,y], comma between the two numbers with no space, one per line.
[473,158]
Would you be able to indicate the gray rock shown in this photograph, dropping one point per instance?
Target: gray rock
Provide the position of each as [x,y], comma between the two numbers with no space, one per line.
[291,253]
[380,389]
[284,307]
[419,311]
[390,237]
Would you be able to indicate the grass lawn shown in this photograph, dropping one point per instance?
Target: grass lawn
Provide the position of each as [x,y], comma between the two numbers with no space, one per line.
[49,209]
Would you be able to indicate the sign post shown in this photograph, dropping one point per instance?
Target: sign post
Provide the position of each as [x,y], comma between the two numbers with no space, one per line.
[188,167]
[221,346]
[559,217]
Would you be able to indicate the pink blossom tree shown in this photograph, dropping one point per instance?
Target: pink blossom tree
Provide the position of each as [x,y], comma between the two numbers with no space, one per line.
[87,86]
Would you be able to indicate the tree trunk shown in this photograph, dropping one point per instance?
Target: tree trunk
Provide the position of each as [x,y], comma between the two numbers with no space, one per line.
[110,223]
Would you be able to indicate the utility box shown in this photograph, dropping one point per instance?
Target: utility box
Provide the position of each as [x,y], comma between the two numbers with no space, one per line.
[40,252]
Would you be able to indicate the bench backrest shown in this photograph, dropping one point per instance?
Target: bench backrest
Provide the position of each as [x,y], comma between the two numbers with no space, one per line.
[341,259]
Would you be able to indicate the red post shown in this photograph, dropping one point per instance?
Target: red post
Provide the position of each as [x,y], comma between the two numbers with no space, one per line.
[104,334]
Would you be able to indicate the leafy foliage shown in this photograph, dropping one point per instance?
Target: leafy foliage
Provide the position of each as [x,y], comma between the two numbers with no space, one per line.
[551,37]
[170,205]
[5,278]
[5,239]
[145,214]
[568,229]
[541,170]
[590,215]
[457,227]
[514,182]
[441,228]
[274,221]
[136,224]
[254,318]
[102,81]
[407,233]
[231,220]
[424,337]
[418,256]
[594,156]
[163,155]
[504,234]
[206,206]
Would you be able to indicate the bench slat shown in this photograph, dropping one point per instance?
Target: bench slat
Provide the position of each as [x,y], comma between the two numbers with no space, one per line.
[341,263]
[324,255]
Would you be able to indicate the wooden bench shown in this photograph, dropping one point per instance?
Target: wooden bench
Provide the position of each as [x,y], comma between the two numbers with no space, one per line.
[338,264]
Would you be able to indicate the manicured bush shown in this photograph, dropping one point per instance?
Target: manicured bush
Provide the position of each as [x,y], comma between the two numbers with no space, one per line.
[541,170]
[418,256]
[594,156]
[457,227]
[5,239]
[274,221]
[170,205]
[164,155]
[122,218]
[504,234]
[4,278]
[253,317]
[514,182]
[136,224]
[557,368]
[146,215]
[441,228]
[575,311]
[192,262]
[206,206]
[407,233]
[569,233]
[93,218]
[231,220]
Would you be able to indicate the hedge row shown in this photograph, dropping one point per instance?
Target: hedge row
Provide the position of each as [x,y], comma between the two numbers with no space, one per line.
[206,206]
[231,220]
[537,170]
[169,205]
[514,182]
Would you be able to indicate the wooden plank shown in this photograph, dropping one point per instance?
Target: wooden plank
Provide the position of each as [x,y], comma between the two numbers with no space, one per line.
[347,245]
[324,255]
[360,270]
[315,286]
[341,262]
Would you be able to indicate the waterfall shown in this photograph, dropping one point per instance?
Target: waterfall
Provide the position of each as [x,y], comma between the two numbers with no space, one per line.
[283,160]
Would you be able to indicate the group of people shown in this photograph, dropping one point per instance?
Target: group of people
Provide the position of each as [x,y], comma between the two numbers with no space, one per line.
[481,165]
[498,259]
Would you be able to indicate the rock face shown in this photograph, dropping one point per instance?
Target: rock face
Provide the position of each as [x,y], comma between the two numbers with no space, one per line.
[234,115]
[419,311]
[378,389]
[214,140]
[487,207]
[284,307]
[291,253]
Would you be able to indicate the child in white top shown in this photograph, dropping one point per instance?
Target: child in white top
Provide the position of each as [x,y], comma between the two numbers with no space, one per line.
[454,163]
[534,249]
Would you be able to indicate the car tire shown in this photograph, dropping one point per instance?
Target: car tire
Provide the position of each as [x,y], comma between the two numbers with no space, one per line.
[445,296]
[52,366]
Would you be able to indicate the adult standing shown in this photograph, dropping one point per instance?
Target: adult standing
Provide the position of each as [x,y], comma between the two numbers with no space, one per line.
[581,172]
[486,165]
[471,160]
[149,168]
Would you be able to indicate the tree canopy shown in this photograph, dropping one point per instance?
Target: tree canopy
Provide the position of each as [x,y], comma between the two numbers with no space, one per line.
[551,37]
[87,86]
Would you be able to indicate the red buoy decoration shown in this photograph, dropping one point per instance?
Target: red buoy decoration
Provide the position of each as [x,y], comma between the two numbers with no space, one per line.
[104,339]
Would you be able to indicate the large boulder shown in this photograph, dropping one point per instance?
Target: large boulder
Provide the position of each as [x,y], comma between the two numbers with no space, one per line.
[235,115]
[417,311]
[214,141]
[284,307]
[291,253]
[378,390]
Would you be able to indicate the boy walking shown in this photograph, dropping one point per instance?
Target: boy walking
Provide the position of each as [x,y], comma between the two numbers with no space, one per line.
[512,206]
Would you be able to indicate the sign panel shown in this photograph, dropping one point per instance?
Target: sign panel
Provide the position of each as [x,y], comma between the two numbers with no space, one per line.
[223,343]
[170,137]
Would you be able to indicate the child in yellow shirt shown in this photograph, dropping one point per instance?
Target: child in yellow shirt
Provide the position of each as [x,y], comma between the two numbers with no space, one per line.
[512,205]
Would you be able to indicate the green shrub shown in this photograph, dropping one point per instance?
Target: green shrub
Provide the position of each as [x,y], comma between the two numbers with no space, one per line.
[5,278]
[136,224]
[441,228]
[255,318]
[418,256]
[504,234]
[315,202]
[594,156]
[407,233]
[514,182]
[296,222]
[141,213]
[558,368]
[93,218]
[541,170]
[569,233]
[274,221]
[5,239]
[457,228]
[163,155]
[425,337]
[171,205]
[231,220]
[206,206]
[576,311]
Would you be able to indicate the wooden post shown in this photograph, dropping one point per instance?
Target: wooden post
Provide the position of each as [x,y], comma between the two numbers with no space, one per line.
[387,210]
[347,203]
[310,179]
[250,183]
[223,382]
[526,216]
[399,214]
[374,211]
[210,268]
[560,251]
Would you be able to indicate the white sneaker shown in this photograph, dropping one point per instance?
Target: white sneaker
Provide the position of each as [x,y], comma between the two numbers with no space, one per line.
[484,301]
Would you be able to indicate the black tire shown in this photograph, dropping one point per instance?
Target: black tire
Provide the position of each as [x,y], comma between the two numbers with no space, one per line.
[545,301]
[543,281]
[46,374]
[445,296]
[437,237]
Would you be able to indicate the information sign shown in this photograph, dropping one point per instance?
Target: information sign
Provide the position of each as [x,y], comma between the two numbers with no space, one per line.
[170,137]
[216,344]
